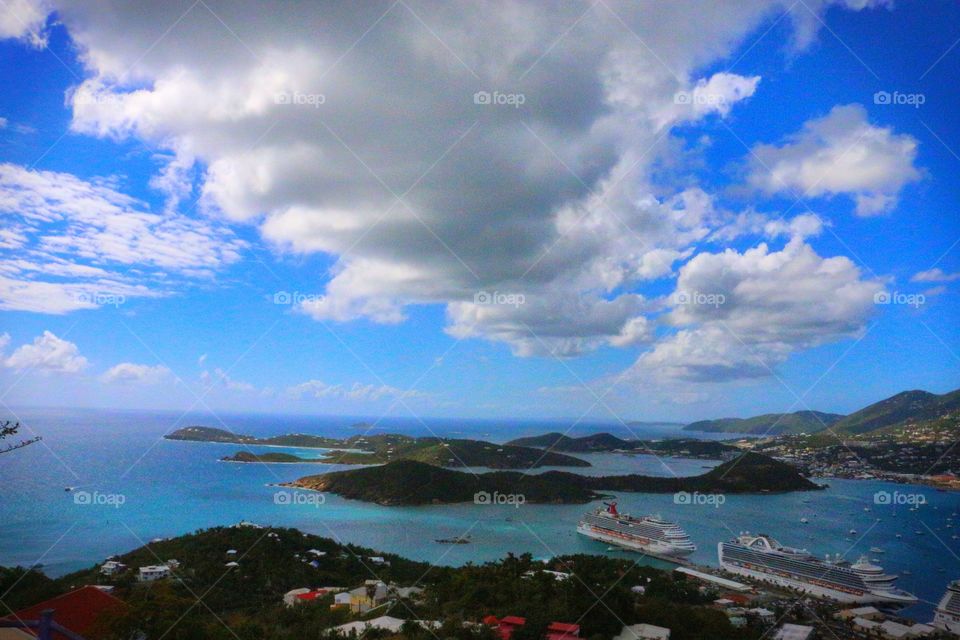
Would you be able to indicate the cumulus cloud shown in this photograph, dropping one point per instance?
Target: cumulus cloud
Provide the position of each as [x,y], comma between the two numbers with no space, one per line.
[76,244]
[935,275]
[738,315]
[840,153]
[47,353]
[25,20]
[551,198]
[137,373]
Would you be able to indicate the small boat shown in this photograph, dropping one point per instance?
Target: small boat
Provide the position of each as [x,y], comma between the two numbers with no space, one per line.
[457,540]
[907,572]
[69,488]
[899,536]
[852,532]
[866,508]
[876,550]
[804,521]
[918,532]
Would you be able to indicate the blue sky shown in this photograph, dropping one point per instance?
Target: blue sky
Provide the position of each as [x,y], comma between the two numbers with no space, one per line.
[688,215]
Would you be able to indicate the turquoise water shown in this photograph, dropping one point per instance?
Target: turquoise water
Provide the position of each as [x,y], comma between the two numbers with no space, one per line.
[169,488]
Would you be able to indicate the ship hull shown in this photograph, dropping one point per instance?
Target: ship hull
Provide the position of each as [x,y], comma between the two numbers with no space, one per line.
[650,547]
[815,590]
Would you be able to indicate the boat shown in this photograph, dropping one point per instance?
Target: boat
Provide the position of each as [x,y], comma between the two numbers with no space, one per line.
[852,532]
[648,534]
[804,521]
[760,557]
[947,614]
[876,550]
[456,540]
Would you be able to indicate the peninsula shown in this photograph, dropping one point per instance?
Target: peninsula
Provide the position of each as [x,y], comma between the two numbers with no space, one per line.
[409,482]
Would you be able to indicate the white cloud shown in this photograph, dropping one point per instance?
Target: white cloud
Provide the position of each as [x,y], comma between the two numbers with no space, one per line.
[840,153]
[739,315]
[935,275]
[24,20]
[220,378]
[556,202]
[357,391]
[138,373]
[47,353]
[74,244]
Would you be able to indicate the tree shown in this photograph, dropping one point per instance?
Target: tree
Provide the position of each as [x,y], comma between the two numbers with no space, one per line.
[9,429]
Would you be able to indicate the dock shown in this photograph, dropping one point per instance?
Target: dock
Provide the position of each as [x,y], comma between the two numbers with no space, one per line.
[717,580]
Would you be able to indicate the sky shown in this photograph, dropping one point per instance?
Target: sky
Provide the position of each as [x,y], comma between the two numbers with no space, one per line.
[598,210]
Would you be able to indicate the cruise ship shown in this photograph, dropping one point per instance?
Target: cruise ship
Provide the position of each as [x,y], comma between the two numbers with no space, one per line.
[763,558]
[650,534]
[947,616]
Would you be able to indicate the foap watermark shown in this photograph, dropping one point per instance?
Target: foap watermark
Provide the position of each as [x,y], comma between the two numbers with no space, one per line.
[699,298]
[300,99]
[97,499]
[899,498]
[485,497]
[496,98]
[699,499]
[101,298]
[488,298]
[915,100]
[911,299]
[295,297]
[310,499]
[701,98]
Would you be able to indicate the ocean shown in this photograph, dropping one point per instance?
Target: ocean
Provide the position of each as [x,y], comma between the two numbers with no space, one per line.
[131,485]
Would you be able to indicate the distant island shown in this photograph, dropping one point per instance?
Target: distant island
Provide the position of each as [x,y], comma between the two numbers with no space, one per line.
[604,442]
[273,458]
[408,482]
[769,423]
[381,449]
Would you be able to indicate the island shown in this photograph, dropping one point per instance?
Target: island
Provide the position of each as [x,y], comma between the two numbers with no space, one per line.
[606,442]
[269,458]
[409,482]
[381,449]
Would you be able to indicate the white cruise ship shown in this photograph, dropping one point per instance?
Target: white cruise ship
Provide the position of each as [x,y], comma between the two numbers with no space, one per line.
[763,558]
[947,616]
[649,534]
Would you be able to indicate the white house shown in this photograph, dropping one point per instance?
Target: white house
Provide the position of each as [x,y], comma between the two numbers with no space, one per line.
[643,632]
[290,597]
[794,632]
[385,623]
[112,567]
[153,572]
[342,599]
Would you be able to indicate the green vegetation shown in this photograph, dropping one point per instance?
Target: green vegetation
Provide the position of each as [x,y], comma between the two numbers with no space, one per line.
[901,409]
[600,442]
[244,603]
[380,449]
[271,457]
[211,434]
[769,423]
[409,482]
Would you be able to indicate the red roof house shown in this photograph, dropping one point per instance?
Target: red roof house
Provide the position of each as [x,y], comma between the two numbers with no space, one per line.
[76,611]
[506,625]
[562,631]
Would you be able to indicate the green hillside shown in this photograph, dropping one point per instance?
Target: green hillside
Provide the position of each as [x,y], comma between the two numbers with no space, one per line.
[901,409]
[769,423]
